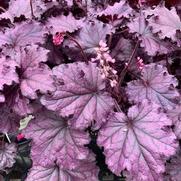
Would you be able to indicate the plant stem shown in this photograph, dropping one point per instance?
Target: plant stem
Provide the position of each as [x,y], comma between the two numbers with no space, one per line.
[75,41]
[110,40]
[117,106]
[1,8]
[123,73]
[121,31]
[31,5]
[168,65]
[134,75]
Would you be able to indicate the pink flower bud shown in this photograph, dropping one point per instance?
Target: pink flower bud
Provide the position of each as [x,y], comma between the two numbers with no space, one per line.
[58,39]
[20,136]
[140,63]
[113,83]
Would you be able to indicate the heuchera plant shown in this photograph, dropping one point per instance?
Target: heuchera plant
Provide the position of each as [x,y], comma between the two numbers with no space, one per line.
[80,74]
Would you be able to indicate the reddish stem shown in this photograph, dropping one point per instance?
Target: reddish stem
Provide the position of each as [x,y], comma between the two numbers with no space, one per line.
[121,31]
[75,41]
[31,5]
[123,73]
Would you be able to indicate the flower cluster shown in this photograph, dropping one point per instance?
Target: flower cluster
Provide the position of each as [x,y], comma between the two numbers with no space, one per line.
[58,38]
[106,62]
[140,63]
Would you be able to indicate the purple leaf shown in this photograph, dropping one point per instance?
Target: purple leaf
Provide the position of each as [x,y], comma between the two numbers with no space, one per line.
[138,142]
[86,170]
[39,79]
[31,57]
[81,93]
[22,7]
[8,72]
[7,155]
[175,116]
[165,22]
[156,84]
[121,9]
[20,104]
[149,42]
[90,36]
[63,24]
[173,168]
[23,34]
[54,140]
[122,50]
[35,76]
[9,121]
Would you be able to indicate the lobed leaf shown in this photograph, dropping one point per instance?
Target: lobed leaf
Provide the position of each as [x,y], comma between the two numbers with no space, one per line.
[7,155]
[55,141]
[156,84]
[85,171]
[81,93]
[22,7]
[138,141]
[165,22]
[149,41]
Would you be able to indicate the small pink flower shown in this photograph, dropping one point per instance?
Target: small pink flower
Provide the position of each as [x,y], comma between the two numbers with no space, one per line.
[20,136]
[105,62]
[113,83]
[58,38]
[140,63]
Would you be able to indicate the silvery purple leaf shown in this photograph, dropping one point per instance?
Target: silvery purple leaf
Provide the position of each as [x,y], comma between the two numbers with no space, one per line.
[175,116]
[18,103]
[63,24]
[139,141]
[35,76]
[55,141]
[86,170]
[165,22]
[156,84]
[80,92]
[9,121]
[7,155]
[121,9]
[90,36]
[122,50]
[31,57]
[173,171]
[8,72]
[149,41]
[22,7]
[39,79]
[23,34]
